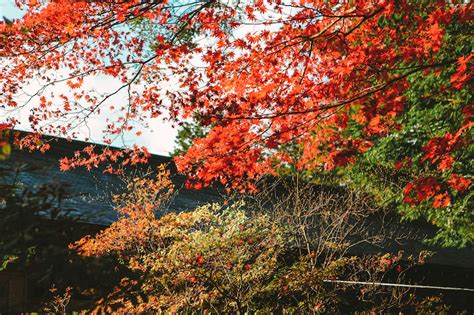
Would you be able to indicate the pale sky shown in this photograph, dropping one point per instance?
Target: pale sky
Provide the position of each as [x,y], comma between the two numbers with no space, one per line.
[9,10]
[158,138]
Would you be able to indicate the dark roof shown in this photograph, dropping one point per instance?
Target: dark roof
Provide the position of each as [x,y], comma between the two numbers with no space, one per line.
[91,191]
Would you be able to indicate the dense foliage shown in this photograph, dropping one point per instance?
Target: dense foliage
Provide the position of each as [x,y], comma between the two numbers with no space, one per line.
[424,165]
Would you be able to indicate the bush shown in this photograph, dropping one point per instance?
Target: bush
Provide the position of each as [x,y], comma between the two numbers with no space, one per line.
[246,256]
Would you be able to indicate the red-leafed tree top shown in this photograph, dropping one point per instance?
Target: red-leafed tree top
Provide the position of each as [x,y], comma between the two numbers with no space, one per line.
[331,77]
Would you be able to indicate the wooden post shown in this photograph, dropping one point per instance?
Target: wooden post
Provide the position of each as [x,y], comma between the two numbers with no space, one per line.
[12,292]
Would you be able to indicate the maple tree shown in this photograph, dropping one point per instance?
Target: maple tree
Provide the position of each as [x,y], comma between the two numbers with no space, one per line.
[335,79]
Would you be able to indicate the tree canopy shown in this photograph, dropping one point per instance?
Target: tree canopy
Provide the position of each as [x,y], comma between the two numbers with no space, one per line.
[346,84]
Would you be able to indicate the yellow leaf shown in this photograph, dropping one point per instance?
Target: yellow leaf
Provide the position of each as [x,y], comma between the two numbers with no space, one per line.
[6,149]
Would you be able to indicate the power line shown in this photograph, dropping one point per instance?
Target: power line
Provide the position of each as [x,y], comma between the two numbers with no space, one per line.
[414,286]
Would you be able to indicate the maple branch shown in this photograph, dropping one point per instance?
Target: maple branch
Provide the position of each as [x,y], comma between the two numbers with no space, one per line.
[111,21]
[130,82]
[369,91]
[326,28]
[365,18]
[321,13]
[304,37]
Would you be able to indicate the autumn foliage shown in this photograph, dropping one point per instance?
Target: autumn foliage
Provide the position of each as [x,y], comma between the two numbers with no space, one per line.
[234,257]
[337,81]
